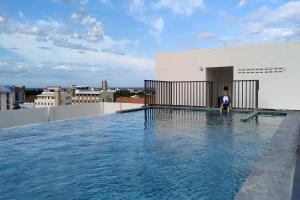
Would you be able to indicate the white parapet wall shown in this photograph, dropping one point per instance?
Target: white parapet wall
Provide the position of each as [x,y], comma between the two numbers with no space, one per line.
[74,111]
[21,117]
[11,118]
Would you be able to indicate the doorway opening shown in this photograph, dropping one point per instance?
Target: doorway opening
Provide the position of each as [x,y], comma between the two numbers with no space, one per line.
[220,77]
[219,74]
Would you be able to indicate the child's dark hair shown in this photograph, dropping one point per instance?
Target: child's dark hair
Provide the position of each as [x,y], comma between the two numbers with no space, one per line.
[225,88]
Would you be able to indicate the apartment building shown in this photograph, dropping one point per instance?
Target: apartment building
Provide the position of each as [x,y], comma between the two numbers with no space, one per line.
[19,95]
[86,94]
[53,96]
[7,97]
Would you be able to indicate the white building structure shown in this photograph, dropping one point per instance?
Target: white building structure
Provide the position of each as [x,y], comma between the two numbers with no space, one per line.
[27,105]
[53,96]
[7,97]
[86,94]
[276,66]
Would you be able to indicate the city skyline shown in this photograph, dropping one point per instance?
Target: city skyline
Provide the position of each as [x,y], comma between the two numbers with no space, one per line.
[66,42]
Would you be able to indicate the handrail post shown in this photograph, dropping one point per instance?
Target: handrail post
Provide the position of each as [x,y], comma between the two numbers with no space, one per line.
[256,94]
[212,94]
[145,96]
[171,93]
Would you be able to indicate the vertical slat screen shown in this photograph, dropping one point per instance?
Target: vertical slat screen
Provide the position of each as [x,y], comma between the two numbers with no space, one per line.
[244,93]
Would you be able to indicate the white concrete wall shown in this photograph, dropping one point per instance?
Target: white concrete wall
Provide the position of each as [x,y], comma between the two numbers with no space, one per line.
[277,90]
[74,111]
[20,117]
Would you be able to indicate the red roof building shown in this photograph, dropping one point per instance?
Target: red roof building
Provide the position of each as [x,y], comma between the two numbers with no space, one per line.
[129,100]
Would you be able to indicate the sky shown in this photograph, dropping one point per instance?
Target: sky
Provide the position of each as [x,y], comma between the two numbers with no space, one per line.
[67,42]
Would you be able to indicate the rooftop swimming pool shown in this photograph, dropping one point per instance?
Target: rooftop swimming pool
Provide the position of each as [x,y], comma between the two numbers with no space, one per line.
[148,154]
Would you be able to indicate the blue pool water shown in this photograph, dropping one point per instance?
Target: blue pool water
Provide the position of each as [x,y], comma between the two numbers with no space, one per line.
[153,154]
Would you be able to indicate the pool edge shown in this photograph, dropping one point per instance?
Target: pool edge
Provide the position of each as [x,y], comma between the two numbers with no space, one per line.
[273,174]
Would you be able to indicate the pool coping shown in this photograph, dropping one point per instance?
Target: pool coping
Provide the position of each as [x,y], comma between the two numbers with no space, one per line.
[296,186]
[260,111]
[273,174]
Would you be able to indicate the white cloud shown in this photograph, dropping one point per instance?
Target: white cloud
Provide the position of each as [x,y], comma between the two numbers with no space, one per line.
[80,46]
[76,35]
[26,46]
[76,16]
[95,33]
[136,6]
[83,68]
[281,23]
[95,30]
[265,33]
[32,30]
[62,67]
[157,28]
[88,21]
[158,25]
[3,18]
[242,3]
[50,23]
[61,41]
[288,12]
[141,12]
[60,34]
[181,7]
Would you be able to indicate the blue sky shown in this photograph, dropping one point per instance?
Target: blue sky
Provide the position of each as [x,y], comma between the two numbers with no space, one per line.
[65,42]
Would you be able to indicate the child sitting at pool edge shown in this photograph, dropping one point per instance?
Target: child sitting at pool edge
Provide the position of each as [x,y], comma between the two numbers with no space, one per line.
[225,101]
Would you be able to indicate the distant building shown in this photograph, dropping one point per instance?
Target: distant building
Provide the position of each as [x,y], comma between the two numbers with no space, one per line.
[27,105]
[29,102]
[53,96]
[19,95]
[7,97]
[107,96]
[86,94]
[30,98]
[130,100]
[104,85]
[131,90]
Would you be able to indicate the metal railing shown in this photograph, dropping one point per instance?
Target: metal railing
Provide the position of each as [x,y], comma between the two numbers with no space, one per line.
[244,93]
